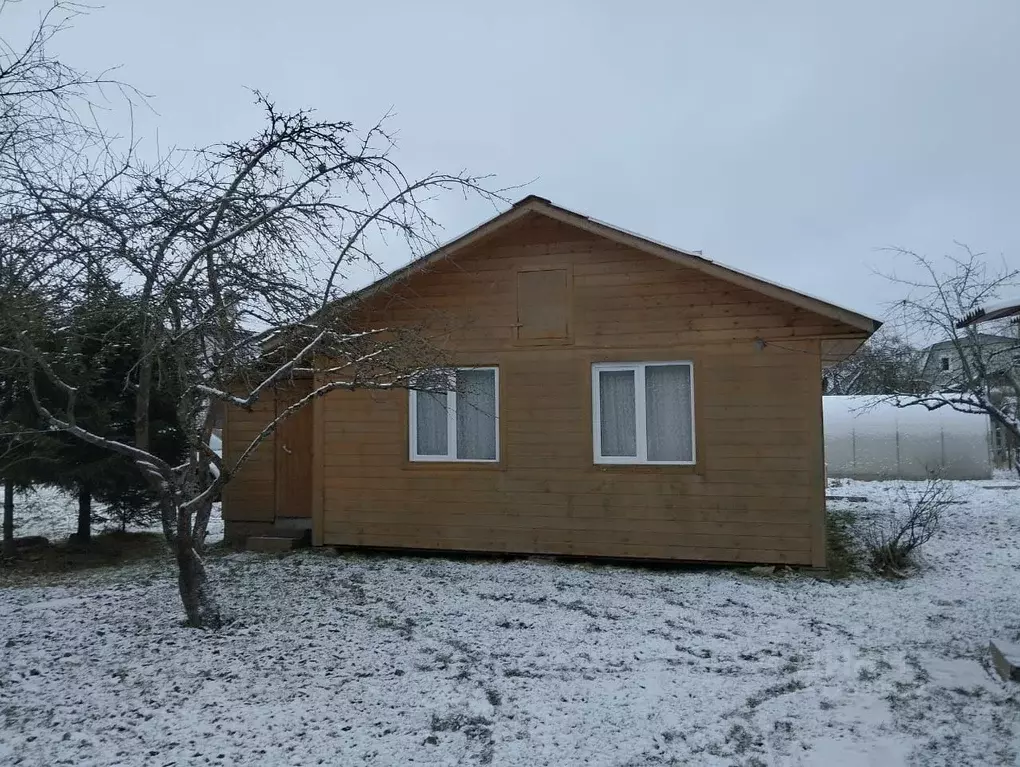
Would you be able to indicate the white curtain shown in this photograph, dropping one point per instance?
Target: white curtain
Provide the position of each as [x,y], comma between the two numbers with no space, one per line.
[668,412]
[616,413]
[476,414]
[430,422]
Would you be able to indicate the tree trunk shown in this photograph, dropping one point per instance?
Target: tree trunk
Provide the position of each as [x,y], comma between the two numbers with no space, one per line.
[196,593]
[143,395]
[9,548]
[84,534]
[201,524]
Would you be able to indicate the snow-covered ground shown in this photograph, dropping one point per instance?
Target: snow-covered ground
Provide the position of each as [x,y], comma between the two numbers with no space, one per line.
[53,513]
[397,661]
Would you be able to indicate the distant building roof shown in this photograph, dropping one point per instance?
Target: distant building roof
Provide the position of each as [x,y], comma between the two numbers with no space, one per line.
[989,312]
[981,338]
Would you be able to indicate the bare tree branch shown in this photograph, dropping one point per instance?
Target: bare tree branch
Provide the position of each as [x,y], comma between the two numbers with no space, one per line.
[982,376]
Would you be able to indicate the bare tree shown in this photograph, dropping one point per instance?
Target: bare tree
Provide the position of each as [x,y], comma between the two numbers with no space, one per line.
[44,108]
[885,364]
[48,131]
[233,255]
[982,374]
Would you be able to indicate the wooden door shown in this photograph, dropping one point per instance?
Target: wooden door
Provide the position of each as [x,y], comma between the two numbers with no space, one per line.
[294,456]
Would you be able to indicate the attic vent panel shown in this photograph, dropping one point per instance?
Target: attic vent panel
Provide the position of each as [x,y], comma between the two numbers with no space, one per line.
[543,305]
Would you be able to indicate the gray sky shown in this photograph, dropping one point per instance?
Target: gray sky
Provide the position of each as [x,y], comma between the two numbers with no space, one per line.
[792,142]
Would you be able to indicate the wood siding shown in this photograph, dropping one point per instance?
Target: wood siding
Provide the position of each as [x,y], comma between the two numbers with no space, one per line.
[278,479]
[755,494]
[251,495]
[293,455]
[543,305]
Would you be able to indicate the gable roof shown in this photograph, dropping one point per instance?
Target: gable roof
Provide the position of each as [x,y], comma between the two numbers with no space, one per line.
[540,205]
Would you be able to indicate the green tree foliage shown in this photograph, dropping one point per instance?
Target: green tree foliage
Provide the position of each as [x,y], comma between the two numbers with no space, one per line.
[28,448]
[27,451]
[97,353]
[93,344]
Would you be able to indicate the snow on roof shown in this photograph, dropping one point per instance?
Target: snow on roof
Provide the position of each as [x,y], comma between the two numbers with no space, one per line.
[994,311]
[982,338]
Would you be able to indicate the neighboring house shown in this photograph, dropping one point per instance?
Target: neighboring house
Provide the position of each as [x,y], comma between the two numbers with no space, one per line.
[614,397]
[943,364]
[943,370]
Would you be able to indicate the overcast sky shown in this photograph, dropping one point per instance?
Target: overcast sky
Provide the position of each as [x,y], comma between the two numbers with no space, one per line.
[789,139]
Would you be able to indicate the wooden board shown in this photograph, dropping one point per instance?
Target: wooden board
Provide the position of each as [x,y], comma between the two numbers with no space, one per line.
[543,305]
[294,457]
[251,495]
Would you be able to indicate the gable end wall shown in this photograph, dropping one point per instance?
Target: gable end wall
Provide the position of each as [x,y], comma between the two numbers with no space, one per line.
[755,495]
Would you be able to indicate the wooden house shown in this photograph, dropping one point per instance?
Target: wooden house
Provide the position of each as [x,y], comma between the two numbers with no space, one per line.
[613,397]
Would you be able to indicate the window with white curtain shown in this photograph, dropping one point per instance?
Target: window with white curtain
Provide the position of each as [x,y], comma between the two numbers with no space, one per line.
[643,412]
[460,423]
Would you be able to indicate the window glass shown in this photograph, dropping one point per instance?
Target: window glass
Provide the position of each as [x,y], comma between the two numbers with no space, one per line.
[668,412]
[460,424]
[476,414]
[617,413]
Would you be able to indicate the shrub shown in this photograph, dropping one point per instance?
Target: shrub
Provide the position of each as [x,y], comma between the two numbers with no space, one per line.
[891,540]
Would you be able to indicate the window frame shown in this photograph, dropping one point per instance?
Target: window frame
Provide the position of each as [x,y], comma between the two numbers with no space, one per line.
[640,414]
[451,421]
[945,363]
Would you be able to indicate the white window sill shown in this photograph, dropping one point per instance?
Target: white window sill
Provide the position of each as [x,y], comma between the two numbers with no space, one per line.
[630,462]
[444,459]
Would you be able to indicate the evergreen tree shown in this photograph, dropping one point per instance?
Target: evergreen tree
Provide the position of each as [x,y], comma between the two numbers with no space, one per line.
[98,355]
[28,448]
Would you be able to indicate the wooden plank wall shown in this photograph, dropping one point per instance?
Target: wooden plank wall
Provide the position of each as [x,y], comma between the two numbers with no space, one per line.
[250,497]
[755,494]
[294,461]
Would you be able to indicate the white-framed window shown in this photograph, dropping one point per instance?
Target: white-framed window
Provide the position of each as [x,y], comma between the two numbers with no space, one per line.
[643,412]
[461,423]
[944,362]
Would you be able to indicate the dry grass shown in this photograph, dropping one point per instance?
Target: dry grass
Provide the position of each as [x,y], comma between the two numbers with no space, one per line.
[843,550]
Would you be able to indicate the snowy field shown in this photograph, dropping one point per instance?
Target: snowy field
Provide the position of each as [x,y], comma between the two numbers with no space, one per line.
[398,661]
[53,513]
